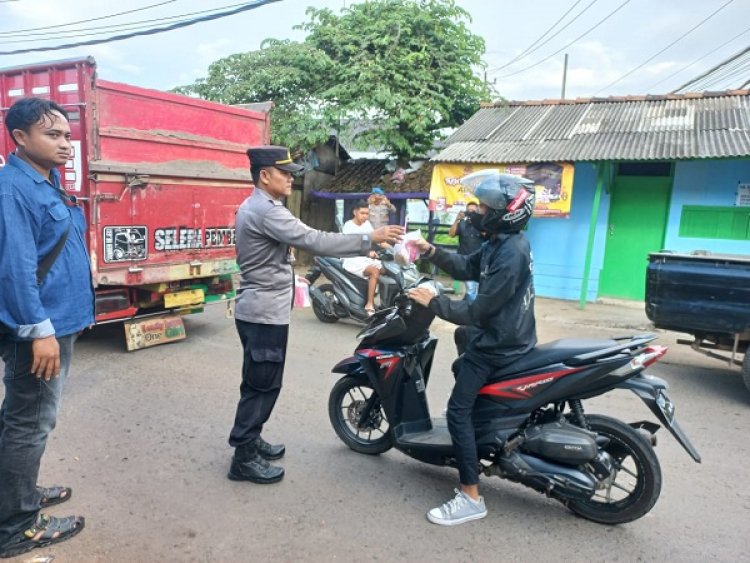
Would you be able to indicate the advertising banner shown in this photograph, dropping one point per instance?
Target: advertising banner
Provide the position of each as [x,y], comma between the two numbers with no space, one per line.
[553,182]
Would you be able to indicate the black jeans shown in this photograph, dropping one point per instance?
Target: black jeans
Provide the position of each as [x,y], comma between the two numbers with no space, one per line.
[27,416]
[264,354]
[471,376]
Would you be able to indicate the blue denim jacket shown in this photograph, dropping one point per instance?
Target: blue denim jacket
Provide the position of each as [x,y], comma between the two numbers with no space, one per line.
[33,217]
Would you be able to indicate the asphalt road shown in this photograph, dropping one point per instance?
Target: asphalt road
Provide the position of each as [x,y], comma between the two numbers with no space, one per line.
[142,439]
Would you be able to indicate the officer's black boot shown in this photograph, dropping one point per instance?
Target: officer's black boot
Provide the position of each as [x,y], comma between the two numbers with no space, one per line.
[269,451]
[249,465]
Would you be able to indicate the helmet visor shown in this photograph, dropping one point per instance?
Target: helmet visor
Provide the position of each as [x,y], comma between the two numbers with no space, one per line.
[471,181]
[495,189]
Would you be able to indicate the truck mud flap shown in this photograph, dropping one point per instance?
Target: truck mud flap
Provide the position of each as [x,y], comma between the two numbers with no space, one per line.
[150,331]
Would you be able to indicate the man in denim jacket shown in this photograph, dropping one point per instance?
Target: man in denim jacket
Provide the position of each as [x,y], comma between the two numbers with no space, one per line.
[39,321]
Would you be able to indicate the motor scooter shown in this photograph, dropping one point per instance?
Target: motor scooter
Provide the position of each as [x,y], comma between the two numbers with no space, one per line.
[345,294]
[529,419]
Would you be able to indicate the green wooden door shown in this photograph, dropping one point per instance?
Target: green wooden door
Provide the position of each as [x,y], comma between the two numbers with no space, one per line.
[637,222]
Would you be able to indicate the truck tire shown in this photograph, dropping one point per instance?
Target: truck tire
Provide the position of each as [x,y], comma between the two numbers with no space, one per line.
[746,369]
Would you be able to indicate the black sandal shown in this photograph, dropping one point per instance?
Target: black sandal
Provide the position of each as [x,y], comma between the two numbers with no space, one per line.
[66,528]
[54,495]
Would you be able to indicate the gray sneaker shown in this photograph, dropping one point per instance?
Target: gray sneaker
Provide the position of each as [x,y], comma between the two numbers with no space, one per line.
[458,510]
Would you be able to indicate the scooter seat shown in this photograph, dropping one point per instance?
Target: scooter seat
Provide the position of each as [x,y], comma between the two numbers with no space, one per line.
[553,352]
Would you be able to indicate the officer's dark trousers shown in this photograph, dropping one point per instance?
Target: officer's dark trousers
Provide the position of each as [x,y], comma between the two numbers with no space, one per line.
[471,376]
[264,353]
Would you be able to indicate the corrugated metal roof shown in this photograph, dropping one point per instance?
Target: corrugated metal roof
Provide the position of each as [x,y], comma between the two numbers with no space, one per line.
[360,176]
[710,125]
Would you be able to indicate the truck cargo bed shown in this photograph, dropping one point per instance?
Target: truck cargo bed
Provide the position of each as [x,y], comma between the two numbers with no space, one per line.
[699,292]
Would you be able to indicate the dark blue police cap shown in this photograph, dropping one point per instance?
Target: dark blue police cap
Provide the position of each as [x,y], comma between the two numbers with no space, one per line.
[272,155]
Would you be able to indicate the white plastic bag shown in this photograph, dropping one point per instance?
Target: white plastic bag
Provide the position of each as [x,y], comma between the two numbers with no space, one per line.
[301,292]
[407,251]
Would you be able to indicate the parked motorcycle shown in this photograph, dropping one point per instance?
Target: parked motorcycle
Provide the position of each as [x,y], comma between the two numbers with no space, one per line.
[530,423]
[345,295]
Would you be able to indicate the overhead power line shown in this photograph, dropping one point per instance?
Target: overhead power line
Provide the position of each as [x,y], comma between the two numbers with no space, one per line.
[678,71]
[585,33]
[59,25]
[680,38]
[535,45]
[101,30]
[731,73]
[152,31]
[691,85]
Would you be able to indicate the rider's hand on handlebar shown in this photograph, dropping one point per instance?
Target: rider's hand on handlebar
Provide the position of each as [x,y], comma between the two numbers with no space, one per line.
[422,295]
[423,245]
[389,233]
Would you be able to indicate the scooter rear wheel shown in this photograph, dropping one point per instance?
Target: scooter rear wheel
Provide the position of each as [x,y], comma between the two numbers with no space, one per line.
[327,290]
[351,398]
[635,483]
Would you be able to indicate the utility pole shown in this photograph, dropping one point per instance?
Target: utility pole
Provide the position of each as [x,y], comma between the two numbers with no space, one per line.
[565,76]
[487,82]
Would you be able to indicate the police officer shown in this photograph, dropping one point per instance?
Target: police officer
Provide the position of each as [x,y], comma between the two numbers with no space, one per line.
[265,232]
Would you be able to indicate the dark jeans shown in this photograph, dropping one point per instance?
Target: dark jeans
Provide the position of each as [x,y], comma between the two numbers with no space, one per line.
[471,376]
[264,354]
[27,416]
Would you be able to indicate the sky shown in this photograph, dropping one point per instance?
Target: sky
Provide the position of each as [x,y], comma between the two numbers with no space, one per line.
[642,47]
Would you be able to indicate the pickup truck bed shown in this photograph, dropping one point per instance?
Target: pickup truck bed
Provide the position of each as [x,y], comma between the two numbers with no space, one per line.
[706,295]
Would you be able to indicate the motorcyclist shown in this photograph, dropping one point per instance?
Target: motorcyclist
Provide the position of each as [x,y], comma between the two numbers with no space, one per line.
[500,324]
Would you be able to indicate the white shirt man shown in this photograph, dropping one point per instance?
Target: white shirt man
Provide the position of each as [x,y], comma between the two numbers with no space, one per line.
[364,266]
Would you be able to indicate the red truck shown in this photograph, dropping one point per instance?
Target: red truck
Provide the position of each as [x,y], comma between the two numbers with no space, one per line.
[160,176]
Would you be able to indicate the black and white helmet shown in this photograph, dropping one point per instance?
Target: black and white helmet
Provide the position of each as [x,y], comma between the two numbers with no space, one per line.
[509,198]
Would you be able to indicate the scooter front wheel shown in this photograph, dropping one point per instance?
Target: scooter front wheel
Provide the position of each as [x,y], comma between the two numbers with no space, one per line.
[357,416]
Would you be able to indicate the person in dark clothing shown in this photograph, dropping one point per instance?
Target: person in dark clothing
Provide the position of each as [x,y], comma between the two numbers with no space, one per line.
[498,327]
[469,241]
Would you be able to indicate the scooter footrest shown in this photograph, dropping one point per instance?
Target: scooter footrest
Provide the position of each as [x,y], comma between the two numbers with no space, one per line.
[438,436]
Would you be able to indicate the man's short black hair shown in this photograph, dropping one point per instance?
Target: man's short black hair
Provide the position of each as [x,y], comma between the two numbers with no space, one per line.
[27,112]
[359,204]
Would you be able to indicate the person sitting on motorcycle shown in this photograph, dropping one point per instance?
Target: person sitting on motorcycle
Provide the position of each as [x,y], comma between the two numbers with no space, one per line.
[499,325]
[363,266]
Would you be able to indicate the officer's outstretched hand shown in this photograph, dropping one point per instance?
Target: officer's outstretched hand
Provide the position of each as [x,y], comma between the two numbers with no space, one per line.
[390,234]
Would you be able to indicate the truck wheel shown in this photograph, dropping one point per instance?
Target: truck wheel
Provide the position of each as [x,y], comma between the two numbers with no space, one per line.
[746,369]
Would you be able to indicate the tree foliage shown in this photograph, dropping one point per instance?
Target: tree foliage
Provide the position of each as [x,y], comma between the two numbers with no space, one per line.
[406,67]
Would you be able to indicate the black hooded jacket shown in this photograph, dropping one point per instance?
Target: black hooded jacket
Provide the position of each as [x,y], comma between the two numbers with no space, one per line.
[500,323]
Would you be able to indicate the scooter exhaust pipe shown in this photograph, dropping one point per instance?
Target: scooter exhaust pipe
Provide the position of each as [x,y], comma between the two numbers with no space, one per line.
[650,438]
[647,430]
